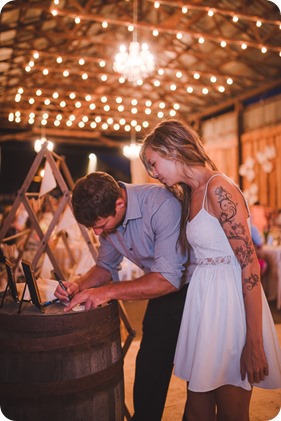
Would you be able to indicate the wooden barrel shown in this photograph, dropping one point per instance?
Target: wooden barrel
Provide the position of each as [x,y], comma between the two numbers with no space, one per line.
[61,366]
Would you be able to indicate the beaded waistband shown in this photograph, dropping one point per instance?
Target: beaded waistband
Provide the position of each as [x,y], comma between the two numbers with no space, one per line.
[223,260]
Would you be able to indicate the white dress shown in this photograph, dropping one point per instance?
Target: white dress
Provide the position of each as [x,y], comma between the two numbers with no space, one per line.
[213,327]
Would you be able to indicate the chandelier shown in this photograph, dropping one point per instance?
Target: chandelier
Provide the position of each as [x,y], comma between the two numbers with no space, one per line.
[132,151]
[137,63]
[40,142]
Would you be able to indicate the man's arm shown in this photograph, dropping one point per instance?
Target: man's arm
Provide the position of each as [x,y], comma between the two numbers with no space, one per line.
[148,286]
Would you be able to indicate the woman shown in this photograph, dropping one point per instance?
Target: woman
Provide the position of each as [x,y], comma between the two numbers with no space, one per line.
[227,341]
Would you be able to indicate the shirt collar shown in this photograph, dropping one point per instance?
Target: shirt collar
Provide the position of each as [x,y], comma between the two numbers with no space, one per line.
[133,210]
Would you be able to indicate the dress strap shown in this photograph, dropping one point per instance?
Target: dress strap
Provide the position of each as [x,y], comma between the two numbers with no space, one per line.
[205,192]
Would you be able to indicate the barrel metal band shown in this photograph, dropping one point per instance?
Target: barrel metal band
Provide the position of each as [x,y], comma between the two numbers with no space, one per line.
[94,382]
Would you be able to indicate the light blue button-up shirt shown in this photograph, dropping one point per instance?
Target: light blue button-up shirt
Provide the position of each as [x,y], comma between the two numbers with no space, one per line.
[148,235]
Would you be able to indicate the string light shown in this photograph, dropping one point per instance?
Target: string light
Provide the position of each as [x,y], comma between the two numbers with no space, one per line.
[161,72]
[92,166]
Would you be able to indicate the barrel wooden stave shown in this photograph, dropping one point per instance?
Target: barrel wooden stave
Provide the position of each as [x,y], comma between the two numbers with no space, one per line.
[61,366]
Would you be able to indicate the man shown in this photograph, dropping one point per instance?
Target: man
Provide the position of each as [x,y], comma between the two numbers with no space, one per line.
[140,222]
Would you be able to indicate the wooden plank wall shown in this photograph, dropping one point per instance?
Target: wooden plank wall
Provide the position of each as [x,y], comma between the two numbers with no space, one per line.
[269,185]
[225,156]
[220,140]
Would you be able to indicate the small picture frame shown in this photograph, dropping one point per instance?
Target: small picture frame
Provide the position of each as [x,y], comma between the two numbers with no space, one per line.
[11,283]
[32,285]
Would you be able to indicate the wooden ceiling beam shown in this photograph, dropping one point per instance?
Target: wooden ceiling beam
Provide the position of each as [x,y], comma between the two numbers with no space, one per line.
[163,28]
[231,102]
[193,6]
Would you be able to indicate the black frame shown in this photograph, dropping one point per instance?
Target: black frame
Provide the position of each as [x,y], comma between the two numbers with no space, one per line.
[32,285]
[11,283]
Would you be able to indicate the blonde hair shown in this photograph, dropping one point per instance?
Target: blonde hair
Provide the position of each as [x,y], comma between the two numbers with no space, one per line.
[176,141]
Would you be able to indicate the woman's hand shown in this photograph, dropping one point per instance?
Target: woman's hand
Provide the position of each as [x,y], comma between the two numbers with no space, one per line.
[253,363]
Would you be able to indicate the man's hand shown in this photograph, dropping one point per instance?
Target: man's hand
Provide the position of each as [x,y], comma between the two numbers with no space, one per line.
[92,298]
[71,289]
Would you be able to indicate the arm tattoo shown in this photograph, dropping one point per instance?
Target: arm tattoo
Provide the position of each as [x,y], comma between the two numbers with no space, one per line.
[227,206]
[234,231]
[251,282]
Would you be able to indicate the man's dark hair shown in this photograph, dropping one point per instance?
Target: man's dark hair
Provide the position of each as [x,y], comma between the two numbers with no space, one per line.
[94,196]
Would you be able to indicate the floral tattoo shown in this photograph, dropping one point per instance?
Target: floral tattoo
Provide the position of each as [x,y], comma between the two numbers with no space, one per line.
[234,231]
[251,282]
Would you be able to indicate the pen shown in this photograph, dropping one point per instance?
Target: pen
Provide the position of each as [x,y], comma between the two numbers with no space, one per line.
[62,284]
[47,303]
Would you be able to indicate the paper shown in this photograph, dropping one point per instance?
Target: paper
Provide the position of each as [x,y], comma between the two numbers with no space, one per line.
[46,289]
[48,182]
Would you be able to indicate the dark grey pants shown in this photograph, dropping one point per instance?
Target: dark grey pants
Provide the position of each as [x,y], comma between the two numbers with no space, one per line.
[154,363]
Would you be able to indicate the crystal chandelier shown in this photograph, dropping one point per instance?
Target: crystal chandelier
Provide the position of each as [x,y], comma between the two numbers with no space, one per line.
[132,151]
[40,142]
[137,63]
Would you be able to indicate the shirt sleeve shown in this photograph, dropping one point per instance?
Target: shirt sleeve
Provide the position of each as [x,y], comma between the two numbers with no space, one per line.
[107,253]
[168,259]
[256,236]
